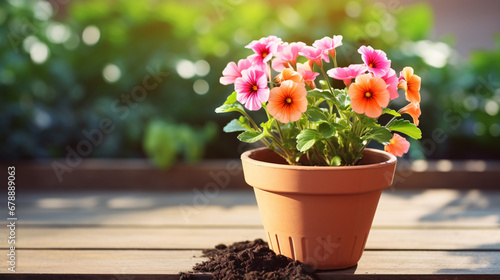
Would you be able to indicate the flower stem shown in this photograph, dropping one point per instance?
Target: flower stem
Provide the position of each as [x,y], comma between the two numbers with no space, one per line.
[327,79]
[252,121]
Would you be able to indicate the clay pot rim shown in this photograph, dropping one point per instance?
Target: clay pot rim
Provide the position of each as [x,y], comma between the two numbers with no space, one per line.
[247,156]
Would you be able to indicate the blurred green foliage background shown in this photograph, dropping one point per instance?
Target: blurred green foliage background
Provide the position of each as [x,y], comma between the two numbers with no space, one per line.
[152,69]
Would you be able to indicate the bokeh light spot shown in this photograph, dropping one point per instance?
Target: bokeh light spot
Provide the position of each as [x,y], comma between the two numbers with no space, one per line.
[202,68]
[43,10]
[201,87]
[289,17]
[28,43]
[72,42]
[479,128]
[471,103]
[39,52]
[242,37]
[495,130]
[58,33]
[221,49]
[202,25]
[353,9]
[444,165]
[91,35]
[419,165]
[185,69]
[491,108]
[435,54]
[111,73]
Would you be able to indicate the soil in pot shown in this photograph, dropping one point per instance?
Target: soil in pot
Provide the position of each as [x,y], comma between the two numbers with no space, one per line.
[250,260]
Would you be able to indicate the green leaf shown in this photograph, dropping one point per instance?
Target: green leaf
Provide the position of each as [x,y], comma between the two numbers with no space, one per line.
[225,108]
[379,134]
[343,98]
[231,105]
[231,99]
[316,114]
[369,122]
[336,161]
[267,125]
[391,112]
[307,138]
[319,93]
[406,127]
[326,130]
[235,125]
[251,136]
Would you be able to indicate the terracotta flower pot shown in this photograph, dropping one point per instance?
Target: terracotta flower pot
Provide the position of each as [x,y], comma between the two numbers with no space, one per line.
[320,216]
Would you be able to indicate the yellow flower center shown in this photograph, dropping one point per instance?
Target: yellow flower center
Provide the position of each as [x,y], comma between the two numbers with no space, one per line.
[255,88]
[264,54]
[288,100]
[371,65]
[368,94]
[392,142]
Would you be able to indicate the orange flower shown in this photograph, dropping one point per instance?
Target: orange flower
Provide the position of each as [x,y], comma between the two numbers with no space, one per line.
[412,109]
[411,84]
[287,102]
[368,95]
[288,74]
[397,146]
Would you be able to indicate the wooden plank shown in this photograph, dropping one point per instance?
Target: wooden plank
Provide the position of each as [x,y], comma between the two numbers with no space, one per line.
[129,174]
[171,262]
[105,261]
[202,238]
[200,276]
[439,208]
[91,276]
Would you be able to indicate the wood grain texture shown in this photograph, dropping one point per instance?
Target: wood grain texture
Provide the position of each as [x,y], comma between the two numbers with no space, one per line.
[397,208]
[131,174]
[416,234]
[202,238]
[171,262]
[200,276]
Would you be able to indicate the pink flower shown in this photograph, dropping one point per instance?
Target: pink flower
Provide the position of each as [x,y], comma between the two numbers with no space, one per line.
[376,60]
[347,73]
[397,146]
[391,80]
[264,49]
[233,71]
[251,89]
[309,76]
[287,57]
[313,54]
[328,45]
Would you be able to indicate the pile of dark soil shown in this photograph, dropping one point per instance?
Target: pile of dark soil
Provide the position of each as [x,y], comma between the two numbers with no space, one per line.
[250,260]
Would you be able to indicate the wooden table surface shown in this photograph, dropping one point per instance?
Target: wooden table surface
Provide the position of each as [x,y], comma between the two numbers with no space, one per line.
[416,234]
